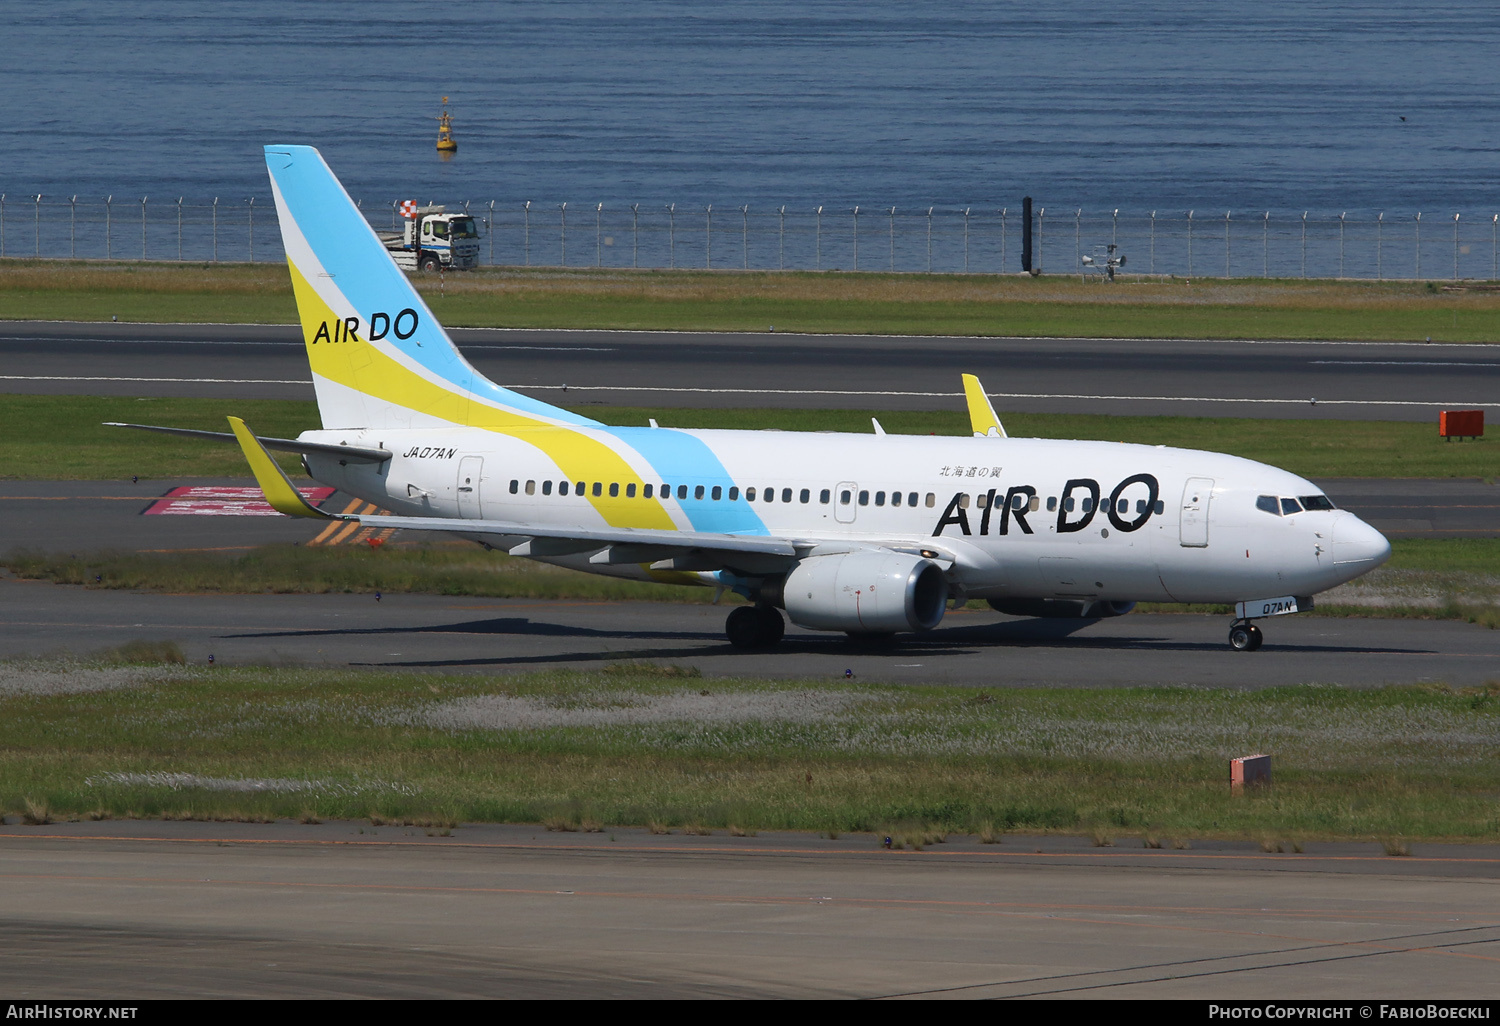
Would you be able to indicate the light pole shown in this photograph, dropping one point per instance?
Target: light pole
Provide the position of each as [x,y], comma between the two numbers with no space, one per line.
[252,228]
[108,223]
[1455,247]
[72,224]
[1341,242]
[745,236]
[1153,242]
[893,238]
[929,240]
[635,235]
[1304,244]
[1190,243]
[37,223]
[598,243]
[818,244]
[489,229]
[526,236]
[179,229]
[1379,246]
[966,241]
[1418,244]
[708,236]
[856,237]
[216,229]
[672,235]
[563,213]
[1041,224]
[1226,244]
[1078,241]
[1002,240]
[781,239]
[1265,245]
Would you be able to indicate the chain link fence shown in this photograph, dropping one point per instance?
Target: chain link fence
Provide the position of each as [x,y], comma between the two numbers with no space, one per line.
[1430,245]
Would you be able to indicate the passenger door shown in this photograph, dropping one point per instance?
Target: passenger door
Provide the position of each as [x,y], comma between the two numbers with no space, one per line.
[1193,528]
[470,474]
[845,502]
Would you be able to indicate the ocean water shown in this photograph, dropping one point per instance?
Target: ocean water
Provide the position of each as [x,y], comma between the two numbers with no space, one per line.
[1276,106]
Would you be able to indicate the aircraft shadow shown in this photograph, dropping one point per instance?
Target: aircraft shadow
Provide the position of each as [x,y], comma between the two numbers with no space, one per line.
[968,639]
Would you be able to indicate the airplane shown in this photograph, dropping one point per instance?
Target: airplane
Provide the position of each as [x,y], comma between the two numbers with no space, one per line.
[869,534]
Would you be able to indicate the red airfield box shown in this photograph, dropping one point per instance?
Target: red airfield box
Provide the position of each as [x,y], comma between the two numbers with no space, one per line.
[1252,770]
[1460,423]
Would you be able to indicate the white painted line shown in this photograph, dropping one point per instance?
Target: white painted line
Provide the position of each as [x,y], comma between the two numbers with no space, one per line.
[1403,363]
[1301,401]
[181,381]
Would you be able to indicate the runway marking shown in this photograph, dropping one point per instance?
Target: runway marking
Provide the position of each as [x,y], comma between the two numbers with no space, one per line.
[1298,401]
[1402,363]
[334,525]
[159,381]
[271,342]
[723,849]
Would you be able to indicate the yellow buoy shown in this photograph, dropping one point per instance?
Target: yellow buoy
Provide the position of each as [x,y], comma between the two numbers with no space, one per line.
[445,143]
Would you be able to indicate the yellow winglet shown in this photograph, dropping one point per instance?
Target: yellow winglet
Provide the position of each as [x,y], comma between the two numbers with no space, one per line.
[274,484]
[981,414]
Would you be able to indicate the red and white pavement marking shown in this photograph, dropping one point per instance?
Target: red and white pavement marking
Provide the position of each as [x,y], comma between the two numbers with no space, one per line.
[216,501]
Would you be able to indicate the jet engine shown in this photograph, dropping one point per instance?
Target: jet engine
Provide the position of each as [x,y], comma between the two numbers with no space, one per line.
[866,593]
[1061,608]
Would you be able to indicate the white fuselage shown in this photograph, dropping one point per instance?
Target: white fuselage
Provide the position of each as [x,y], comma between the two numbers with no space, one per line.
[1082,520]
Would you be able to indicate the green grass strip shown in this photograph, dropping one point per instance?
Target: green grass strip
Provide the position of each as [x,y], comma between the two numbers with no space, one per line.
[61,437]
[637,745]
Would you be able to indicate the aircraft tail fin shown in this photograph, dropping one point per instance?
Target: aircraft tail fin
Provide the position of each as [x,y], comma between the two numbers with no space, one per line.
[982,417]
[379,357]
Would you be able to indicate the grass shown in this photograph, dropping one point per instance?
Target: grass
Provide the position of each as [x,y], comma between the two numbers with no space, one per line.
[621,747]
[838,302]
[62,437]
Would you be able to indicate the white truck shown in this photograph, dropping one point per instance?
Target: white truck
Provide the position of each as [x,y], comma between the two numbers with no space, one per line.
[434,240]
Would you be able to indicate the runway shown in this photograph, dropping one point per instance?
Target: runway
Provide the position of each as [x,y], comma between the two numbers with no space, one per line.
[431,633]
[127,910]
[1203,377]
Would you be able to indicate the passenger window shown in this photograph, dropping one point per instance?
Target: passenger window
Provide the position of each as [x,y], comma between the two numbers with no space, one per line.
[614,489]
[931,500]
[845,496]
[515,487]
[734,494]
[530,487]
[806,496]
[630,490]
[824,496]
[864,498]
[1161,507]
[546,487]
[1035,504]
[768,495]
[1068,504]
[1051,504]
[895,498]
[717,493]
[1088,504]
[682,491]
[981,501]
[698,492]
[562,488]
[646,492]
[880,498]
[749,494]
[786,495]
[963,500]
[911,498]
[1290,506]
[1124,506]
[1269,504]
[579,489]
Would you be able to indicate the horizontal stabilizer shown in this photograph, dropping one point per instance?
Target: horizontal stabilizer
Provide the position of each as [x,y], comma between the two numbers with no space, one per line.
[350,453]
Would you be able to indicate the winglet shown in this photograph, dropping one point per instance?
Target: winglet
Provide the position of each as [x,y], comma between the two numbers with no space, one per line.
[276,486]
[981,414]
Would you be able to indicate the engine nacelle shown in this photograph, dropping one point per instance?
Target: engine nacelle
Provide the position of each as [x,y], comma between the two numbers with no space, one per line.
[1070,609]
[866,593]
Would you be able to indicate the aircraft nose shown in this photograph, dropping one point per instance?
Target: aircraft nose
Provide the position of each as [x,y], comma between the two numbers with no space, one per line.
[1355,541]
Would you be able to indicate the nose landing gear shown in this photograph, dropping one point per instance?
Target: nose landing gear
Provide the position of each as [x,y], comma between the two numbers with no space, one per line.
[1244,636]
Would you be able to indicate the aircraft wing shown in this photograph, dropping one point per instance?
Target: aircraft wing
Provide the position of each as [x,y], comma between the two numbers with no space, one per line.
[351,453]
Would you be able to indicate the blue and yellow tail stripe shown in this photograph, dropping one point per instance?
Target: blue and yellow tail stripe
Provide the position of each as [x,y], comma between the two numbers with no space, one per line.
[379,356]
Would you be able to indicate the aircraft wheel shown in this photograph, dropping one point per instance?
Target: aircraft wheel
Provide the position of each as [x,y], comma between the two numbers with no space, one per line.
[1240,638]
[751,627]
[1256,638]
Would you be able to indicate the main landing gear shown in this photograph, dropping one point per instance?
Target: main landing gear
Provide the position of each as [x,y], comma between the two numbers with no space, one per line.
[755,627]
[1244,636]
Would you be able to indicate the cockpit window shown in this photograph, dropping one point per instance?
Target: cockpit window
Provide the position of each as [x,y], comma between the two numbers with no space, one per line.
[1290,506]
[1317,502]
[1269,504]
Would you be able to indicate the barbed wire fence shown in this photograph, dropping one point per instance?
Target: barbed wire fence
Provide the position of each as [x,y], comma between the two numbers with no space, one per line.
[1420,245]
